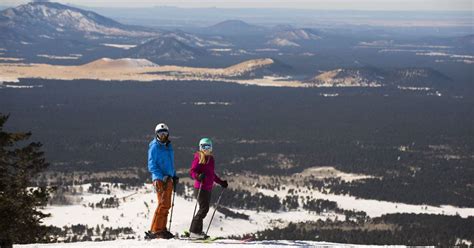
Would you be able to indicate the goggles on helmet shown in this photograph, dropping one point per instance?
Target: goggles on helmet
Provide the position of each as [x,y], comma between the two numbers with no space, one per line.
[206,147]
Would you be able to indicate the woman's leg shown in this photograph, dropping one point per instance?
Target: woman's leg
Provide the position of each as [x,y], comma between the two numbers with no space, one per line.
[203,201]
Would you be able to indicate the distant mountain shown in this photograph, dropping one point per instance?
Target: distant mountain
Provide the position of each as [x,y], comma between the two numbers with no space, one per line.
[235,28]
[49,20]
[295,34]
[282,43]
[258,68]
[372,77]
[466,40]
[419,77]
[196,41]
[349,77]
[287,36]
[166,48]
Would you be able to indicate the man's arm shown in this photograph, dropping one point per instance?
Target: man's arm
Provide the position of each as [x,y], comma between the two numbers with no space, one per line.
[153,166]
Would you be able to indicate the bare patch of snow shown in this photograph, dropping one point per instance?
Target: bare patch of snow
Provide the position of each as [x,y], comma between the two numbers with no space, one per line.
[414,88]
[10,59]
[266,50]
[329,94]
[57,57]
[283,43]
[121,46]
[210,103]
[330,172]
[220,49]
[20,86]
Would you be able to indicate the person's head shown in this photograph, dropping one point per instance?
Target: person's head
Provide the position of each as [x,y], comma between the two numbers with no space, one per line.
[205,146]
[162,132]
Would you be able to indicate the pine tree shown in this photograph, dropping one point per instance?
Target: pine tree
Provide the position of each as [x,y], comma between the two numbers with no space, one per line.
[20,218]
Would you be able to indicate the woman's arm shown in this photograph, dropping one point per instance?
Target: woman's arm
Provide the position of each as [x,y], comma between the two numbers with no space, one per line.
[193,172]
[217,179]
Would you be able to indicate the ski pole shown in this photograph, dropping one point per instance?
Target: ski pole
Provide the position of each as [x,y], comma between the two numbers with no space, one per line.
[195,206]
[172,204]
[215,208]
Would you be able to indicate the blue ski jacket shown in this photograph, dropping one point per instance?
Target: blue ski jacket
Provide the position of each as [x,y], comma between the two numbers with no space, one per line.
[160,160]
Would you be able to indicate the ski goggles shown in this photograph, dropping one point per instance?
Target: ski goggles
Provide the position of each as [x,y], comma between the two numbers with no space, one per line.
[162,133]
[207,147]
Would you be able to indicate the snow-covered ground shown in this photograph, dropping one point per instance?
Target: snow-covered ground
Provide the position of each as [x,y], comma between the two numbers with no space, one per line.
[182,243]
[376,208]
[137,207]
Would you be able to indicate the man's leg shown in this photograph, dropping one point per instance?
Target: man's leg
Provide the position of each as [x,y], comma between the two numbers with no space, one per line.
[160,217]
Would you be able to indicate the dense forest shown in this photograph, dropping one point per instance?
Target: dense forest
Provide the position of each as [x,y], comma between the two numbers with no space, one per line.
[419,147]
[393,229]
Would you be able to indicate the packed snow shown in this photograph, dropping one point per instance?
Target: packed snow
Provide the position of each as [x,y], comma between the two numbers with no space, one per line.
[183,243]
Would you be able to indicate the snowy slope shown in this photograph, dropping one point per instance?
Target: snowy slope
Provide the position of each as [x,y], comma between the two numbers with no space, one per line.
[183,243]
[137,206]
[134,213]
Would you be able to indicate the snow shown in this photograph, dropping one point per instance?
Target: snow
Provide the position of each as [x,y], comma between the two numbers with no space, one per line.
[414,88]
[57,57]
[443,54]
[132,212]
[266,50]
[220,49]
[329,94]
[330,172]
[282,43]
[137,206]
[122,46]
[374,208]
[10,59]
[21,86]
[210,103]
[8,79]
[185,243]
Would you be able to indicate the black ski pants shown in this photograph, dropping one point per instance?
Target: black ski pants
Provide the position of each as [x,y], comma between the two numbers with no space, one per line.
[204,200]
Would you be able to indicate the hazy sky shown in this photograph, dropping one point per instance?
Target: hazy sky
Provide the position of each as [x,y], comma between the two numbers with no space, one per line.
[415,5]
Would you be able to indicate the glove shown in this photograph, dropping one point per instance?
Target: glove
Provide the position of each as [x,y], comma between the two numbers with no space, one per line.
[201,177]
[165,179]
[175,181]
[224,184]
[156,186]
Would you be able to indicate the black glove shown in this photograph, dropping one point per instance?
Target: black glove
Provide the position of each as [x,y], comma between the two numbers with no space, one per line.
[175,181]
[165,179]
[224,184]
[201,177]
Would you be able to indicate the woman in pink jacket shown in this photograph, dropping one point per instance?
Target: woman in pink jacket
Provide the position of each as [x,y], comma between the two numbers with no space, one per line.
[202,171]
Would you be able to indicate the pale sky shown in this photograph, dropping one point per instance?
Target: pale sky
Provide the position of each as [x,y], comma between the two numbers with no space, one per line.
[411,5]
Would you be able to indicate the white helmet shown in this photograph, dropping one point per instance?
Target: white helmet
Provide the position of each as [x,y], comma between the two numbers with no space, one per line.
[161,127]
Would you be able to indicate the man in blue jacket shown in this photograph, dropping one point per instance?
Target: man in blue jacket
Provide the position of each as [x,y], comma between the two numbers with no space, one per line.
[161,167]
